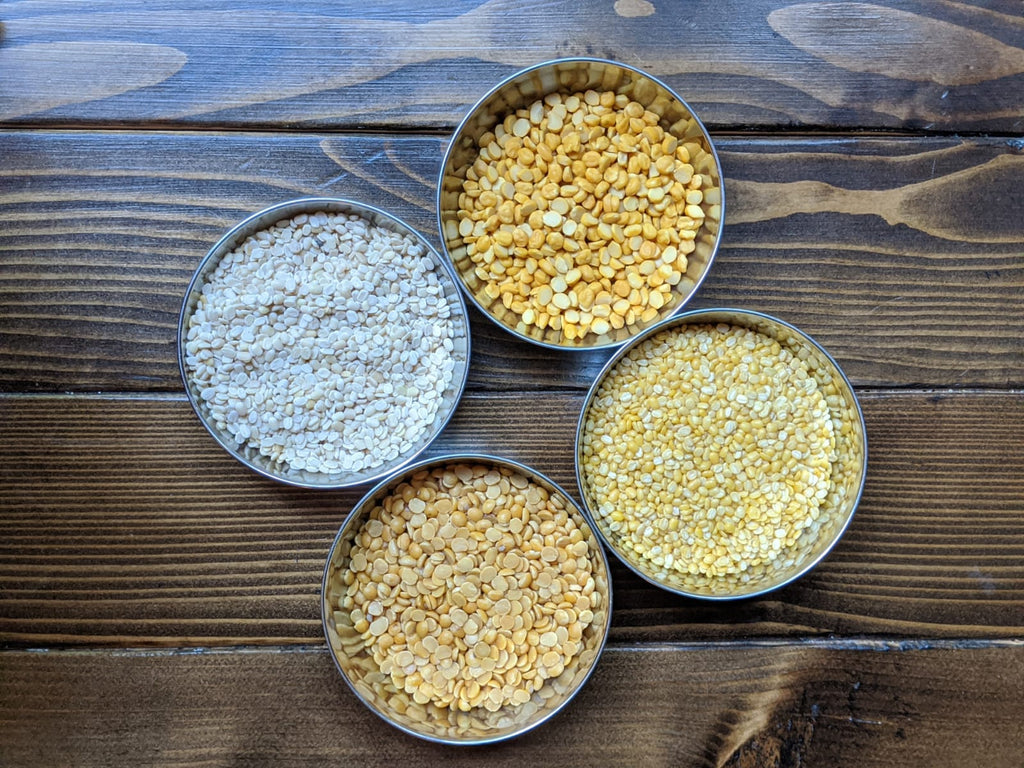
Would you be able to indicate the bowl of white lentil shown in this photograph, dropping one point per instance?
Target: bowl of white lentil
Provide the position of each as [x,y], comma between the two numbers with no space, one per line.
[466,599]
[580,202]
[323,343]
[721,454]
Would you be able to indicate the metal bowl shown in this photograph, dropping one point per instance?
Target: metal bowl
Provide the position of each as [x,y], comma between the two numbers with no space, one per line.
[249,455]
[427,720]
[848,465]
[568,76]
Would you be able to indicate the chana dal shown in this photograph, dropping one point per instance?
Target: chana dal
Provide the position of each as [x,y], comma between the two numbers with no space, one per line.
[580,210]
[472,589]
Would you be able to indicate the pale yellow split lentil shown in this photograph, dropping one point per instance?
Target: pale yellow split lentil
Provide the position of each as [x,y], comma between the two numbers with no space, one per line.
[470,586]
[707,452]
[580,211]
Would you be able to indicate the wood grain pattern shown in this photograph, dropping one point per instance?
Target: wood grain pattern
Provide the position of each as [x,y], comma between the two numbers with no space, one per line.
[850,240]
[695,706]
[907,65]
[159,602]
[123,523]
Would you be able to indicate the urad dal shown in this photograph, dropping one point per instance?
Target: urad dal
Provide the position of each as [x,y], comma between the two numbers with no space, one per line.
[471,591]
[324,342]
[708,452]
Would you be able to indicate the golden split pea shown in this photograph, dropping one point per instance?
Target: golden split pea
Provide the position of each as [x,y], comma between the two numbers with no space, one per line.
[575,199]
[490,607]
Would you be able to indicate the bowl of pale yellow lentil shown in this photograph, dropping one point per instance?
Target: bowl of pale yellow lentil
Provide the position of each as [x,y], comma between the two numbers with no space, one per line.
[721,454]
[466,599]
[580,202]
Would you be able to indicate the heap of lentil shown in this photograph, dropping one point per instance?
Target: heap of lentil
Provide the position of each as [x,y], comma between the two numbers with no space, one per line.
[707,452]
[579,212]
[324,342]
[470,586]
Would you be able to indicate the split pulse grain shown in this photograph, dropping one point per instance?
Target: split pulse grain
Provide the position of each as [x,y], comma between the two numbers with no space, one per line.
[708,452]
[580,211]
[471,587]
[324,342]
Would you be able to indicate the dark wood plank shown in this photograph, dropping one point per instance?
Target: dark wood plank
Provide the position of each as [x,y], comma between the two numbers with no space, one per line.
[900,256]
[681,706]
[123,523]
[905,65]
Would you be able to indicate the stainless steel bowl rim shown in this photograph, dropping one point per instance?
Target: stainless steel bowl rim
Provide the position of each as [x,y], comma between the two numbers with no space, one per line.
[395,478]
[681,319]
[469,116]
[266,217]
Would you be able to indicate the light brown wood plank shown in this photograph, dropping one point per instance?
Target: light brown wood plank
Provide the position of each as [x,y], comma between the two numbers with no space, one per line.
[122,522]
[921,66]
[679,706]
[903,257]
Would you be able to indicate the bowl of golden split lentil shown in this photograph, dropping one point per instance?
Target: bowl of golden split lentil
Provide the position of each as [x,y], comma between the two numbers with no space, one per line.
[466,599]
[580,202]
[721,454]
[323,343]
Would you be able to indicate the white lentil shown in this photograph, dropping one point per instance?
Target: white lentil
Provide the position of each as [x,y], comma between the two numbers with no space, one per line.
[324,342]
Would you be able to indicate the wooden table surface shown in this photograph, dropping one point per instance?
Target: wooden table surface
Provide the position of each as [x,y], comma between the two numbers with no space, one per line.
[159,602]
